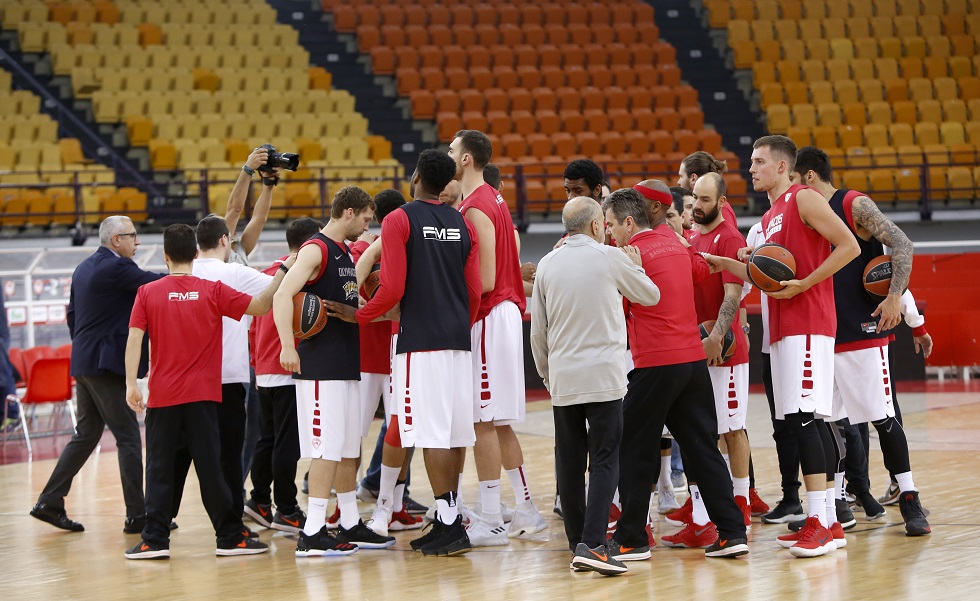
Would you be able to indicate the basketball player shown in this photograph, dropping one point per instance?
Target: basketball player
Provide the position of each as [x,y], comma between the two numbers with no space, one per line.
[498,348]
[718,299]
[684,203]
[669,384]
[862,383]
[182,314]
[802,324]
[583,177]
[326,368]
[430,268]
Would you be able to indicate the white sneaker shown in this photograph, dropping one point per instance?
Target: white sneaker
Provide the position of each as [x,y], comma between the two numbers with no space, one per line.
[483,533]
[379,521]
[469,516]
[527,520]
[666,500]
[365,495]
[506,512]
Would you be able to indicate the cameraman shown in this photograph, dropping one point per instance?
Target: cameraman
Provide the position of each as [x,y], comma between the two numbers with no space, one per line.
[242,246]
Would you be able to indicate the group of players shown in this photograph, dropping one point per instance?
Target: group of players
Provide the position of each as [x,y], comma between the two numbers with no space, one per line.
[441,342]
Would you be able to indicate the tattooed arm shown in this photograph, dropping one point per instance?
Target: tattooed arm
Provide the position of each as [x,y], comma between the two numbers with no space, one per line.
[726,315]
[871,221]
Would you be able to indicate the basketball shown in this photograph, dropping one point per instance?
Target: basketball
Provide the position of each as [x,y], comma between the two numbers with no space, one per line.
[878,277]
[371,283]
[309,315]
[727,343]
[769,265]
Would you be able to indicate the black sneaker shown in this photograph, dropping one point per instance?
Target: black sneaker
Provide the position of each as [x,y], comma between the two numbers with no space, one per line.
[320,544]
[557,507]
[797,525]
[435,531]
[249,533]
[413,507]
[787,510]
[289,522]
[452,541]
[732,547]
[598,559]
[56,517]
[134,525]
[246,546]
[145,550]
[872,508]
[844,514]
[364,537]
[913,514]
[621,553]
[261,514]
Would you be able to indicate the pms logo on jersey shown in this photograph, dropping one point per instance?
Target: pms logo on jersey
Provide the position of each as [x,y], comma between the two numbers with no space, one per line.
[182,296]
[443,234]
[774,226]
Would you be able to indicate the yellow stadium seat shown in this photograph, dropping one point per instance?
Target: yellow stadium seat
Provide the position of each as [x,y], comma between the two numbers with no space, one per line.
[945,88]
[804,115]
[824,136]
[875,134]
[846,91]
[960,183]
[797,92]
[919,89]
[953,110]
[926,134]
[855,113]
[879,112]
[841,49]
[800,135]
[814,70]
[829,114]
[973,132]
[771,93]
[890,48]
[854,179]
[952,133]
[881,185]
[900,134]
[850,136]
[871,91]
[931,111]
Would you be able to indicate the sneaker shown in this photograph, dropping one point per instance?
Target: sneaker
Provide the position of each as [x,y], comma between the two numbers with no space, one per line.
[506,513]
[650,539]
[249,533]
[759,507]
[145,550]
[484,533]
[469,516]
[850,498]
[413,507]
[872,509]
[364,537]
[56,517]
[453,540]
[557,508]
[693,536]
[785,511]
[666,500]
[891,495]
[729,547]
[837,530]
[320,544]
[614,513]
[134,525]
[365,494]
[246,546]
[292,522]
[746,509]
[913,514]
[797,525]
[683,516]
[598,559]
[679,481]
[333,522]
[435,531]
[813,540]
[621,553]
[402,520]
[260,514]
[379,520]
[527,520]
[844,514]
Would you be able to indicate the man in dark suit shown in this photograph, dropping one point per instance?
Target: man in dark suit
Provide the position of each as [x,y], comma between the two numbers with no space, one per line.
[103,290]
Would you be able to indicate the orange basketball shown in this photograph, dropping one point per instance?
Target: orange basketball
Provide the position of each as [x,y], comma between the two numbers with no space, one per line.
[878,277]
[309,315]
[769,265]
[371,283]
[727,343]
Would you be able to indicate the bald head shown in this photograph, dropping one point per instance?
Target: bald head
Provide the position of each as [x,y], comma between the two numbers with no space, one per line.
[656,184]
[710,184]
[657,209]
[579,214]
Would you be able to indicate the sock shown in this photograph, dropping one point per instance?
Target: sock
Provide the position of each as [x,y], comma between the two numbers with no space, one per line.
[700,513]
[831,506]
[518,481]
[446,508]
[349,517]
[459,490]
[664,481]
[839,485]
[399,497]
[616,499]
[905,483]
[728,462]
[741,486]
[316,516]
[816,502]
[386,490]
[490,497]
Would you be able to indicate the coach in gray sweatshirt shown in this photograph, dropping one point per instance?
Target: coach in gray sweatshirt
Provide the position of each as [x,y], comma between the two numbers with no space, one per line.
[578,339]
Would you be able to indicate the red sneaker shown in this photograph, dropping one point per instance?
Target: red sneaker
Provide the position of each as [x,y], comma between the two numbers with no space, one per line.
[693,536]
[614,513]
[683,516]
[838,531]
[759,507]
[814,540]
[746,509]
[403,520]
[333,522]
[650,540]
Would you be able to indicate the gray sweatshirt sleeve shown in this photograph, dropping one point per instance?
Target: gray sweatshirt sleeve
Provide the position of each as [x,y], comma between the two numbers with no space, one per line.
[632,281]
[539,324]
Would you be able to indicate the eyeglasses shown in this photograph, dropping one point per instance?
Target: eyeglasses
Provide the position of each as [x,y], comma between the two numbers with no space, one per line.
[133,235]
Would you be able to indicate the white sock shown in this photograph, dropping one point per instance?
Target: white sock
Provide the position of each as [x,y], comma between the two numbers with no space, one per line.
[664,481]
[490,497]
[616,499]
[816,502]
[398,497]
[316,516]
[905,483]
[349,517]
[386,490]
[839,485]
[700,513]
[728,462]
[518,481]
[447,511]
[831,506]
[741,487]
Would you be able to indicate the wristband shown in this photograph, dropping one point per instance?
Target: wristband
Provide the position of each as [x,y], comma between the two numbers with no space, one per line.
[282,266]
[248,170]
[919,331]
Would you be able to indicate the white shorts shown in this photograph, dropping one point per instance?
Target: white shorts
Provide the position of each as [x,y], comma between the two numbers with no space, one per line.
[498,366]
[731,386]
[803,375]
[371,388]
[862,385]
[433,399]
[328,414]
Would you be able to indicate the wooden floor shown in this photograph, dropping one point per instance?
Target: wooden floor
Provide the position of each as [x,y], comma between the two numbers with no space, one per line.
[39,562]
